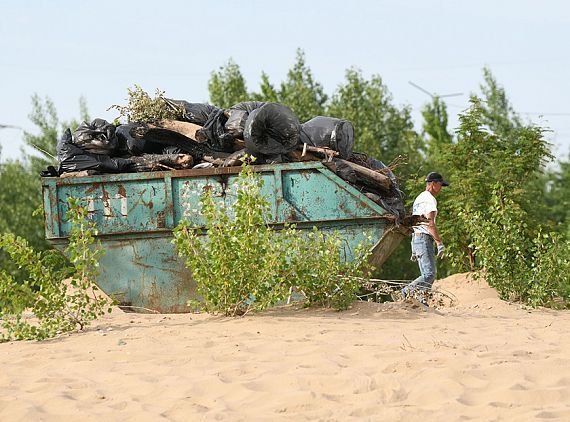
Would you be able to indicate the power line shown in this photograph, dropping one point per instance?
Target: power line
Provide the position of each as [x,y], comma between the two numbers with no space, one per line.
[544,114]
[433,95]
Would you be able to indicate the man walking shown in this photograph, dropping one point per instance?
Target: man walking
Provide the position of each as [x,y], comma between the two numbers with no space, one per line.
[425,234]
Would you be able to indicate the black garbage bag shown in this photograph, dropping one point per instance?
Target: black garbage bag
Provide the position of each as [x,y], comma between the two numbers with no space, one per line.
[126,142]
[235,124]
[50,171]
[97,137]
[139,139]
[73,158]
[248,106]
[214,132]
[136,145]
[196,113]
[330,132]
[237,116]
[271,130]
[160,138]
[170,150]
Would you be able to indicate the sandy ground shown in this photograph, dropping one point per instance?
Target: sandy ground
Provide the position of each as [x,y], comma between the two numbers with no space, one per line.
[482,359]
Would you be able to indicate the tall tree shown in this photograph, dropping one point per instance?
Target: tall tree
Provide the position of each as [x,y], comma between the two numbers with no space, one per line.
[435,131]
[497,111]
[267,93]
[482,164]
[44,117]
[304,95]
[557,193]
[381,129]
[20,181]
[227,86]
[499,115]
[384,131]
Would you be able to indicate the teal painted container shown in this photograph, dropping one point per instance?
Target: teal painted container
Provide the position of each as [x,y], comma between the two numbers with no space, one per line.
[136,212]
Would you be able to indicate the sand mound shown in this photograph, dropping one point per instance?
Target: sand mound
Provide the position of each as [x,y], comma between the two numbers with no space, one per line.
[482,360]
[466,289]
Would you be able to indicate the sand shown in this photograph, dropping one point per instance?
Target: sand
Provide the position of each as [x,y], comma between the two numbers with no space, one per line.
[483,359]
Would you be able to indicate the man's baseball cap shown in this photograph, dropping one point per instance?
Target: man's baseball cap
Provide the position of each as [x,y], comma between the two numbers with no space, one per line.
[436,177]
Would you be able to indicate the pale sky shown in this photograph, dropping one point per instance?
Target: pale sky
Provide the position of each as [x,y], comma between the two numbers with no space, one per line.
[67,49]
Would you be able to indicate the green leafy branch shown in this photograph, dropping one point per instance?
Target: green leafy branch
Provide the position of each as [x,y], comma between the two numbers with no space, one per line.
[44,304]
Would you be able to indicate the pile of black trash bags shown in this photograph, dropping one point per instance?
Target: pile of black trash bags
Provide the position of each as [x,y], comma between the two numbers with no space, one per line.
[268,131]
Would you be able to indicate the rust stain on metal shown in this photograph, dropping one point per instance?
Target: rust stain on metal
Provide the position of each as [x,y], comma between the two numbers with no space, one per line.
[160,220]
[122,191]
[343,206]
[105,194]
[291,215]
[92,188]
[53,200]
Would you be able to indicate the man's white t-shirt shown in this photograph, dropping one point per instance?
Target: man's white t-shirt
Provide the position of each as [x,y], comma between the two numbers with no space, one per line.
[423,205]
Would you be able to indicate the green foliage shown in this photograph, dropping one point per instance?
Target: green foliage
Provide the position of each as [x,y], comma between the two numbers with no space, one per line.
[243,265]
[497,113]
[301,92]
[318,272]
[381,130]
[21,185]
[492,145]
[144,109]
[557,196]
[478,160]
[521,265]
[227,86]
[435,130]
[492,204]
[20,196]
[267,93]
[236,265]
[56,308]
[44,117]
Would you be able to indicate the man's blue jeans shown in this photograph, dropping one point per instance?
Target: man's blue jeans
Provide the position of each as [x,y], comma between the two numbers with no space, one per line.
[424,251]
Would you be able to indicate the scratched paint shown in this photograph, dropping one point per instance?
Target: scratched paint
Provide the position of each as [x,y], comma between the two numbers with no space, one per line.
[136,212]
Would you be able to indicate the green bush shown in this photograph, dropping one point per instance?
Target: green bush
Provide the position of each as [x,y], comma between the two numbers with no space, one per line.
[319,272]
[521,265]
[55,307]
[243,265]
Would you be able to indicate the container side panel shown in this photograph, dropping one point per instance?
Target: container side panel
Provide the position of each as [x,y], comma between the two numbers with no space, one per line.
[118,207]
[313,196]
[146,273]
[51,211]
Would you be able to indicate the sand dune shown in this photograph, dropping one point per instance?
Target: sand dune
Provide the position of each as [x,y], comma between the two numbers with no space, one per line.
[481,359]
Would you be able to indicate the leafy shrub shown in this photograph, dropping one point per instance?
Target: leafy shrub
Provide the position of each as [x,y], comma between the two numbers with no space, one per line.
[236,266]
[320,274]
[243,265]
[144,109]
[43,293]
[478,162]
[532,268]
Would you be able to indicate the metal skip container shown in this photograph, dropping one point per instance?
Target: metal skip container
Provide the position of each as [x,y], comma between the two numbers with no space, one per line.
[136,212]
